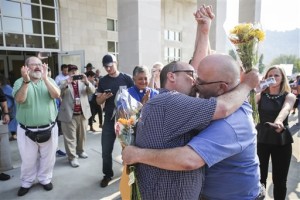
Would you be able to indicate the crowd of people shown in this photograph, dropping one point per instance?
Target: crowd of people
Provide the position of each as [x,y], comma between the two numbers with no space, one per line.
[184,108]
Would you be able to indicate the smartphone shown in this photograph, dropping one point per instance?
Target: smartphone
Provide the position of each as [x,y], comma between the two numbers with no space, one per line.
[107,91]
[77,77]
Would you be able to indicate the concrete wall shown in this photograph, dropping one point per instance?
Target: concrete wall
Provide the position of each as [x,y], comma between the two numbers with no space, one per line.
[141,30]
[83,27]
[139,33]
[177,15]
[249,11]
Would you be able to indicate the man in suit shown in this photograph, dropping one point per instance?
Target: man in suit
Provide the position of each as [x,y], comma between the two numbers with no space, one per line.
[74,113]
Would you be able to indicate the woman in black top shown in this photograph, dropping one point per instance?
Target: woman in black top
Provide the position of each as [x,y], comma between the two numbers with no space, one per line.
[273,138]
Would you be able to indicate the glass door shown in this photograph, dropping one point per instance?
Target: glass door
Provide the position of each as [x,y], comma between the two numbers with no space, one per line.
[72,57]
[15,62]
[3,66]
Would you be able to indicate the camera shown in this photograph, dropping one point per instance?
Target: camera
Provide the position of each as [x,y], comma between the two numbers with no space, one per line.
[77,77]
[107,91]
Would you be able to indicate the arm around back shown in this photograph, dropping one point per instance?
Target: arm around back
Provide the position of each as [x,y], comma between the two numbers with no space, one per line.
[175,159]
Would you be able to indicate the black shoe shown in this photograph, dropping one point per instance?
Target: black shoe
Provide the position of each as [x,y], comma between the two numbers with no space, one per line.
[48,186]
[22,191]
[4,177]
[105,181]
[13,137]
[60,153]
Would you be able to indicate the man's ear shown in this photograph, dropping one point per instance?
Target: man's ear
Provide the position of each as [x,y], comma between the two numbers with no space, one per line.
[223,88]
[171,76]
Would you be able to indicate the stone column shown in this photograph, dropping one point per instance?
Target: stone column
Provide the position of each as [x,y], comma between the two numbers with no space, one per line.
[139,28]
[217,33]
[249,11]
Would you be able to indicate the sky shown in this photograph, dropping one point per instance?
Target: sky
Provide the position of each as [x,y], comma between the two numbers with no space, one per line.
[276,15]
[280,15]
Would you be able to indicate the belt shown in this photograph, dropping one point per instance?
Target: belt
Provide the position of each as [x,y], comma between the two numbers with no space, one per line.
[77,113]
[36,127]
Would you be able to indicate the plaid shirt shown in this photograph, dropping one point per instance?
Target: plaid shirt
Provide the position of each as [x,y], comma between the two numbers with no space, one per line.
[169,120]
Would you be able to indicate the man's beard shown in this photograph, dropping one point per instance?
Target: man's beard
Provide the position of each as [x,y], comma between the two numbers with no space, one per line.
[36,74]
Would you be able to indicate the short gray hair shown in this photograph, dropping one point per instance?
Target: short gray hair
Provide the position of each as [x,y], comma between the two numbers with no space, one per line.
[140,69]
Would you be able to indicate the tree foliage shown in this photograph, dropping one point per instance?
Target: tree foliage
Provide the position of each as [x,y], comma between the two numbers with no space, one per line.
[288,59]
[261,65]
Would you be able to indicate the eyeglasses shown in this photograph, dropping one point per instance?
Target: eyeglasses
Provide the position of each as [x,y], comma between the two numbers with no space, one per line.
[188,72]
[35,64]
[200,82]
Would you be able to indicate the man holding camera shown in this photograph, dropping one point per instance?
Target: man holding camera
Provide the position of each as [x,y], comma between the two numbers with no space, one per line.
[107,90]
[74,113]
[35,95]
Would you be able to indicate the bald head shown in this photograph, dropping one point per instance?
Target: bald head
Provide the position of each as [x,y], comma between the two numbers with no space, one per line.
[219,67]
[217,74]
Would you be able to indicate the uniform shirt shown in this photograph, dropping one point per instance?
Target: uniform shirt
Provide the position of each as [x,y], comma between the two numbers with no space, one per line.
[39,108]
[139,94]
[167,121]
[113,83]
[228,146]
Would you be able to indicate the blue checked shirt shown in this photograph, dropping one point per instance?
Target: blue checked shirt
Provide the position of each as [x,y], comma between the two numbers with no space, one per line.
[169,120]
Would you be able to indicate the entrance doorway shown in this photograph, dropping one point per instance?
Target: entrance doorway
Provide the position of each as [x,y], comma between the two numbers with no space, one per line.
[72,57]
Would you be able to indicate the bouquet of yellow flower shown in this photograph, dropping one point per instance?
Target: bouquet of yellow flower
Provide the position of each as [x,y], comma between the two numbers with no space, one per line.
[245,37]
[127,114]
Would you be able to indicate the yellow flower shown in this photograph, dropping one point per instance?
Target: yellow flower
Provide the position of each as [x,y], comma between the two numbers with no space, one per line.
[245,33]
[260,35]
[126,122]
[123,121]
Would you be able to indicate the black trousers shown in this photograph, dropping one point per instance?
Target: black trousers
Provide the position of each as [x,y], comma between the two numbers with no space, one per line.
[281,158]
[95,109]
[107,141]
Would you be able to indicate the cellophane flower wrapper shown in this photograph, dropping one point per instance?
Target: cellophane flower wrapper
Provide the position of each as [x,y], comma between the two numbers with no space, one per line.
[127,114]
[245,39]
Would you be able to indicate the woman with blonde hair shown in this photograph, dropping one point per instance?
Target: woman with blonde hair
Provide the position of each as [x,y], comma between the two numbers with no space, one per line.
[274,138]
[155,75]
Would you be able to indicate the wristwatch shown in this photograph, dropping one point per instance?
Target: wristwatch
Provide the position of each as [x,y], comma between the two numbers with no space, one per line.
[26,82]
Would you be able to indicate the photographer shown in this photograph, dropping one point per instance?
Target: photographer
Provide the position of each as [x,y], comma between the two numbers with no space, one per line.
[74,113]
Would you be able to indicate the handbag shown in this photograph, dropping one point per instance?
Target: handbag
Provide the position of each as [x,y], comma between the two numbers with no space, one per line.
[39,136]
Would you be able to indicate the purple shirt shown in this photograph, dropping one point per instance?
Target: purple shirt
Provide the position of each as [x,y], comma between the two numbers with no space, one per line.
[170,119]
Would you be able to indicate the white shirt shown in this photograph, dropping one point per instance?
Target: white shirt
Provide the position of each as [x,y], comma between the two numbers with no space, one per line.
[60,77]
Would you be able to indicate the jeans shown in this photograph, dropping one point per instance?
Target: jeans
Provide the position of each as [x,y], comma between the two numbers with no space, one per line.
[107,141]
[281,158]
